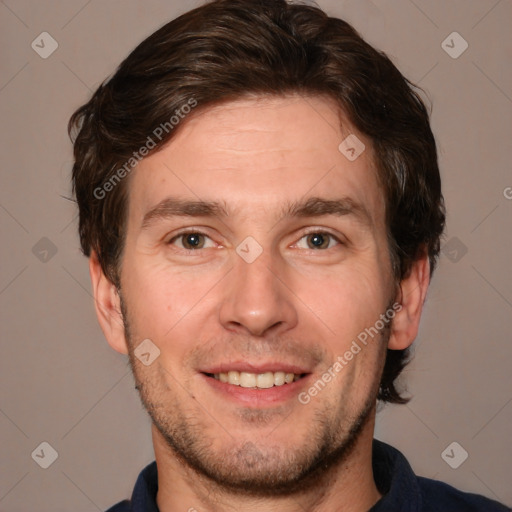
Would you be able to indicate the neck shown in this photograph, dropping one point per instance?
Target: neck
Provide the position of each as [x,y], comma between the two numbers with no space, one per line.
[347,486]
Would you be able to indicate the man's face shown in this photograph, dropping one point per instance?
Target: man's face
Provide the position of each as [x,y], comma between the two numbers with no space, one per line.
[279,278]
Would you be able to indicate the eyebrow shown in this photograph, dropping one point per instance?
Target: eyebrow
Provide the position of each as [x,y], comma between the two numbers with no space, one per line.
[318,207]
[312,207]
[173,207]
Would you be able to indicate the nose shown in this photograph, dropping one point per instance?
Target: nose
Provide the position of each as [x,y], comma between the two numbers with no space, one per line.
[256,299]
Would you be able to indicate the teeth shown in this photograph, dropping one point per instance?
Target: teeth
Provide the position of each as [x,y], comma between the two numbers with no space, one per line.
[234,378]
[279,378]
[247,380]
[257,380]
[265,380]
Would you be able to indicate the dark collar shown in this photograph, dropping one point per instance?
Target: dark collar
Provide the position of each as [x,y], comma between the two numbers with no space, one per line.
[395,480]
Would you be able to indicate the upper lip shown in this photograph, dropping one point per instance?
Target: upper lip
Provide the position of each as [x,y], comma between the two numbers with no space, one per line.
[244,366]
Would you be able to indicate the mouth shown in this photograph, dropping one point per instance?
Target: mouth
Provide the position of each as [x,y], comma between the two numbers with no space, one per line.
[265,380]
[256,385]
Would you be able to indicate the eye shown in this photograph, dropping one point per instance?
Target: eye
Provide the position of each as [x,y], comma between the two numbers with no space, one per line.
[318,240]
[191,241]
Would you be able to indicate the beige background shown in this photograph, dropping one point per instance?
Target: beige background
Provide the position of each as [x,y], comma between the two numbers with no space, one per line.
[60,381]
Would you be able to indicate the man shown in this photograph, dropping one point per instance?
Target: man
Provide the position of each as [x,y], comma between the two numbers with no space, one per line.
[261,205]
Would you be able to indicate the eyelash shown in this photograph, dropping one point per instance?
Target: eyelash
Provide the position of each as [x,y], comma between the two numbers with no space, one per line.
[198,232]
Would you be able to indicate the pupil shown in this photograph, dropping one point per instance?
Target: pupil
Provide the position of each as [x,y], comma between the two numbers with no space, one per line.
[317,240]
[193,239]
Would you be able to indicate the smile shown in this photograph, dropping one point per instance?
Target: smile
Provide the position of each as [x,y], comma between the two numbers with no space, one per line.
[256,380]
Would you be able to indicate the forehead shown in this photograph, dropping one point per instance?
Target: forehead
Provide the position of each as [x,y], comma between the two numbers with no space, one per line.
[259,153]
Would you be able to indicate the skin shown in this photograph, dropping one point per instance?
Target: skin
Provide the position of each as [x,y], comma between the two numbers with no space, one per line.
[295,303]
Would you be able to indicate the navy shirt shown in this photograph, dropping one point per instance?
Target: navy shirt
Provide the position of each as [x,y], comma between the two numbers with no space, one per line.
[402,490]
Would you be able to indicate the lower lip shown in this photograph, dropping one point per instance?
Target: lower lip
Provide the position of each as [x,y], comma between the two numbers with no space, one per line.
[256,397]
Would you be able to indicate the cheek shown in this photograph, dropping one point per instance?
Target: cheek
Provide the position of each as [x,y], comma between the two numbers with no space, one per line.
[347,300]
[161,301]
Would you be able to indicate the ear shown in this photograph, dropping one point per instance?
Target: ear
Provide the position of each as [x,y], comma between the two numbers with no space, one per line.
[413,289]
[108,306]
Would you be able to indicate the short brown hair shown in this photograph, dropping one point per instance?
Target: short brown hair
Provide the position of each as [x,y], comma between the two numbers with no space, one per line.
[227,49]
